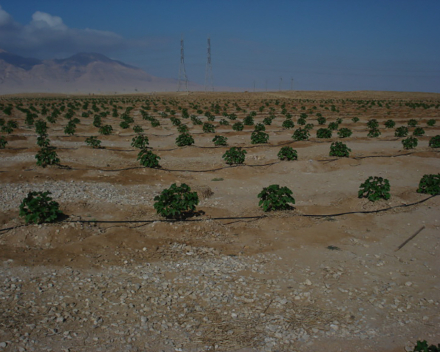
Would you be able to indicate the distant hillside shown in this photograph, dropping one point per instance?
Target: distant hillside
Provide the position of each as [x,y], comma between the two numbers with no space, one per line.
[80,73]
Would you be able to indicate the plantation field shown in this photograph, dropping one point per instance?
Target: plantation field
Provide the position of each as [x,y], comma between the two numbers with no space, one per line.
[324,273]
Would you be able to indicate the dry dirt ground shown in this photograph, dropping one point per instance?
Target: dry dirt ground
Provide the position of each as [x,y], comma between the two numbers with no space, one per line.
[324,276]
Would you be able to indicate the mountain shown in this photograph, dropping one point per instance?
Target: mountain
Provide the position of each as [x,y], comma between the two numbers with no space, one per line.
[80,73]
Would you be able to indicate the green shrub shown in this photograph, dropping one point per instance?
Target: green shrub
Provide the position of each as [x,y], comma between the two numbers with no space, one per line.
[390,124]
[434,142]
[322,120]
[373,124]
[154,122]
[355,119]
[220,140]
[47,156]
[275,197]
[124,125]
[224,122]
[429,184]
[301,134]
[344,133]
[267,121]
[208,127]
[259,137]
[106,130]
[339,149]
[182,128]
[140,142]
[418,131]
[401,131]
[288,123]
[412,123]
[41,127]
[431,122]
[175,121]
[238,126]
[422,346]
[248,121]
[301,121]
[375,188]
[97,121]
[235,155]
[309,126]
[333,126]
[3,142]
[184,139]
[339,120]
[148,159]
[287,153]
[259,127]
[39,208]
[43,141]
[70,128]
[93,142]
[138,129]
[373,133]
[176,202]
[324,133]
[409,143]
[195,120]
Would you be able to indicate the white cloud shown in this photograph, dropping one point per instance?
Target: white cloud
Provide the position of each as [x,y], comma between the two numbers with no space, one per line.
[45,20]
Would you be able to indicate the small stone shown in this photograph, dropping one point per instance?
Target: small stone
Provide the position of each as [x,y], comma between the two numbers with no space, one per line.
[409,283]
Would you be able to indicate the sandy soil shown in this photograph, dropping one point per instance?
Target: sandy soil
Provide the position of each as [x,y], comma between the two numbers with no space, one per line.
[323,276]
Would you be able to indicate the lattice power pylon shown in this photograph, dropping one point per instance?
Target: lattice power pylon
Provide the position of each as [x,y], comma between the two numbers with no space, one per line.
[183,78]
[209,80]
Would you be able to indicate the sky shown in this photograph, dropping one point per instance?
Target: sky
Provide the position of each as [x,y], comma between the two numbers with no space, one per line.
[341,45]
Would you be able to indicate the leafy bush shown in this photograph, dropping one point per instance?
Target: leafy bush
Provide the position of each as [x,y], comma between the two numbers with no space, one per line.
[431,122]
[287,153]
[344,133]
[195,120]
[208,127]
[224,122]
[410,143]
[401,131]
[339,149]
[309,126]
[148,159]
[301,121]
[288,123]
[3,142]
[41,127]
[339,120]
[373,124]
[390,124]
[106,130]
[418,131]
[93,142]
[140,142]
[124,125]
[355,119]
[38,208]
[322,120]
[275,197]
[43,141]
[259,127]
[267,121]
[182,128]
[175,202]
[220,140]
[155,123]
[47,156]
[422,346]
[138,129]
[333,126]
[434,142]
[373,133]
[97,121]
[235,155]
[259,137]
[238,126]
[175,121]
[324,133]
[375,188]
[429,184]
[412,123]
[301,134]
[184,139]
[248,120]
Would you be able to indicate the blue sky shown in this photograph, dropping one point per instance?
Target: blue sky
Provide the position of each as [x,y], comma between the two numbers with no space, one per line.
[321,44]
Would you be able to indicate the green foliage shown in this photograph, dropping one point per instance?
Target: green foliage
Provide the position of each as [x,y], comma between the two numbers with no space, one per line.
[154,122]
[275,197]
[3,142]
[39,208]
[429,184]
[259,127]
[401,131]
[97,121]
[106,130]
[93,142]
[355,119]
[208,127]
[333,126]
[324,133]
[195,120]
[409,143]
[373,124]
[175,121]
[182,128]
[235,155]
[248,120]
[322,120]
[43,141]
[176,202]
[220,140]
[412,123]
[47,156]
[422,346]
[339,149]
[434,142]
[259,137]
[41,127]
[138,129]
[140,142]
[288,123]
[375,188]
[431,122]
[148,159]
[238,126]
[301,134]
[373,133]
[344,133]
[70,128]
[287,153]
[224,122]
[390,124]
[309,126]
[124,125]
[184,139]
[418,131]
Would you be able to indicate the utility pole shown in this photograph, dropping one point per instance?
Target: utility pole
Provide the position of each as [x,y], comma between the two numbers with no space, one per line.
[291,83]
[209,80]
[254,85]
[281,81]
[183,79]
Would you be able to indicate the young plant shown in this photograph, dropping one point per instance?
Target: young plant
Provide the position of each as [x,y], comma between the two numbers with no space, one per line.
[3,142]
[70,128]
[322,120]
[238,126]
[301,121]
[431,122]
[220,140]
[309,126]
[324,133]
[401,131]
[301,134]
[106,130]
[434,142]
[267,121]
[184,139]
[275,197]
[176,202]
[259,137]
[418,131]
[138,129]
[373,124]
[288,123]
[355,119]
[43,141]
[259,127]
[287,153]
[344,133]
[390,124]
[124,125]
[429,184]
[333,126]
[422,346]
[248,121]
[208,127]
[47,156]
[182,128]
[140,142]
[375,188]
[235,155]
[148,159]
[374,132]
[39,208]
[41,127]
[93,142]
[409,143]
[412,123]
[339,149]
[224,122]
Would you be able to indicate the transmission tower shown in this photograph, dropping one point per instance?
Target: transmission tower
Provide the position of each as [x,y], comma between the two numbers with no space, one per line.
[183,79]
[209,84]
